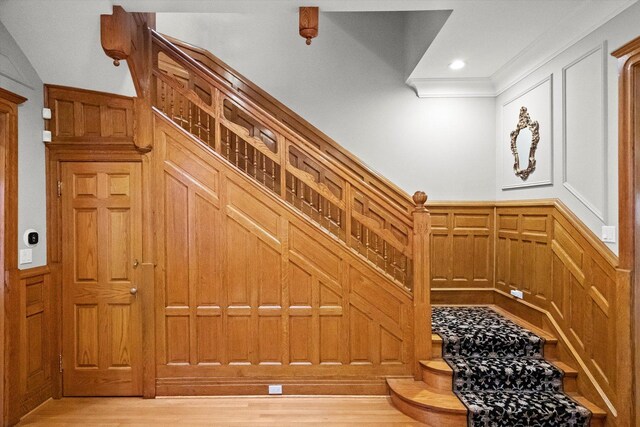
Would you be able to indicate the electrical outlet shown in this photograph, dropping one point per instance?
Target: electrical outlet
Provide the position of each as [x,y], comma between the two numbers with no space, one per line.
[275,389]
[517,294]
[26,256]
[608,234]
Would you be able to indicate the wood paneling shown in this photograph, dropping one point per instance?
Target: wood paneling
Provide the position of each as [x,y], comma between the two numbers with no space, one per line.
[83,116]
[565,272]
[36,356]
[462,246]
[248,287]
[523,257]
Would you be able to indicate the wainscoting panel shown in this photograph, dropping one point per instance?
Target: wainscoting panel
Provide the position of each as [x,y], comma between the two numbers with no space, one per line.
[84,116]
[587,302]
[247,290]
[32,340]
[461,246]
[523,260]
[568,277]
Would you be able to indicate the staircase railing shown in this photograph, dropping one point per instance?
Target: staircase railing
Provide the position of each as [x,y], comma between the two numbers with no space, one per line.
[307,131]
[335,192]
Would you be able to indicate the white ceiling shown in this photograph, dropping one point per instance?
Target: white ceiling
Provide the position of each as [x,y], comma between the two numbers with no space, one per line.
[498,39]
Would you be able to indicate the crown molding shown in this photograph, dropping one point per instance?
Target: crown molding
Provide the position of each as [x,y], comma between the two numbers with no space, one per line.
[453,88]
[520,67]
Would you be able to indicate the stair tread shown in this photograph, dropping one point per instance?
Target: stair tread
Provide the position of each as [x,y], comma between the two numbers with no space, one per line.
[418,393]
[438,365]
[568,370]
[596,411]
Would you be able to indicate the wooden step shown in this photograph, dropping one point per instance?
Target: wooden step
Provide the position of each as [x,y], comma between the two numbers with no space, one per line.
[550,345]
[570,380]
[438,375]
[422,403]
[598,416]
[436,346]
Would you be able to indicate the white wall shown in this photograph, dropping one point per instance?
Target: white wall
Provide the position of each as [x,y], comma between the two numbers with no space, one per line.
[350,84]
[18,76]
[583,121]
[61,38]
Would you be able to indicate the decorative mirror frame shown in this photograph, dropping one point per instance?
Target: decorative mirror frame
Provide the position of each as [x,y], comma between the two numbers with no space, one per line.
[524,121]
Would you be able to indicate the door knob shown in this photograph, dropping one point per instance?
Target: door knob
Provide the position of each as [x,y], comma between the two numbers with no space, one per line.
[133,291]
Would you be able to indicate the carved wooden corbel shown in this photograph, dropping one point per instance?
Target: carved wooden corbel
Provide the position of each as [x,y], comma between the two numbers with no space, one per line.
[126,36]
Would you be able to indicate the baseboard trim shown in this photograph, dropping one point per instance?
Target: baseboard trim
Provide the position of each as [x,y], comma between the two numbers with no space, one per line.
[462,296]
[258,387]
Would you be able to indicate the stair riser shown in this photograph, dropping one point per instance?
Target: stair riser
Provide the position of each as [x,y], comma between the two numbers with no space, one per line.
[550,350]
[441,381]
[437,380]
[429,416]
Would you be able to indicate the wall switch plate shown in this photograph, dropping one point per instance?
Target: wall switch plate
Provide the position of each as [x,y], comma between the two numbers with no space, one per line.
[275,389]
[46,136]
[46,113]
[608,234]
[26,256]
[517,294]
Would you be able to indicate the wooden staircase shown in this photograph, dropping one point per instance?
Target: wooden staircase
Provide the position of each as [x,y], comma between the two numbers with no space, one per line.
[432,401]
[307,175]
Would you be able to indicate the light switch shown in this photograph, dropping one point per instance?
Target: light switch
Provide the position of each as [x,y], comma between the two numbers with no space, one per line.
[608,234]
[26,256]
[46,113]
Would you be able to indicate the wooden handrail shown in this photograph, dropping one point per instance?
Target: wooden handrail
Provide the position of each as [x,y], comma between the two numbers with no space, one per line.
[374,222]
[310,133]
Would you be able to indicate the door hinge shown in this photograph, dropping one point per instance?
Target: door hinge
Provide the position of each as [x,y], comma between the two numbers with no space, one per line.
[59,188]
[60,362]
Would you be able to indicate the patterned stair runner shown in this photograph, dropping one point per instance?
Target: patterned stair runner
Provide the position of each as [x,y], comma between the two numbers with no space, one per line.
[499,372]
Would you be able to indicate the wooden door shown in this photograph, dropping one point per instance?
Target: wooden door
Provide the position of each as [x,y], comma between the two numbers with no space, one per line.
[101,241]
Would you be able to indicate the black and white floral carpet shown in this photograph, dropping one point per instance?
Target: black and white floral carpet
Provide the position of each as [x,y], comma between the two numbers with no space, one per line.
[499,371]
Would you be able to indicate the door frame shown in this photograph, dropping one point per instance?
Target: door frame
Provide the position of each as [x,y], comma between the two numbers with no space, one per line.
[629,197]
[58,154]
[9,102]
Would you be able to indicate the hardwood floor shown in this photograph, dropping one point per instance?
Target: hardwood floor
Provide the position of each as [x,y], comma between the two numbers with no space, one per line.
[227,411]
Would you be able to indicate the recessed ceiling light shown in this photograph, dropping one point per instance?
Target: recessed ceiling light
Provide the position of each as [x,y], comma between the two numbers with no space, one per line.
[457,64]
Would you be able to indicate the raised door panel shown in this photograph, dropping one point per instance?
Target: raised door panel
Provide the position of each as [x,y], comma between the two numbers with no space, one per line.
[101,225]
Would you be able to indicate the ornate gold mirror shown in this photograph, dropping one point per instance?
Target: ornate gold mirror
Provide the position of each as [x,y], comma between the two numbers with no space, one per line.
[526,135]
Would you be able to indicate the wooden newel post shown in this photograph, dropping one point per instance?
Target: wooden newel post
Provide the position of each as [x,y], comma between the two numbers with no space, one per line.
[421,282]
